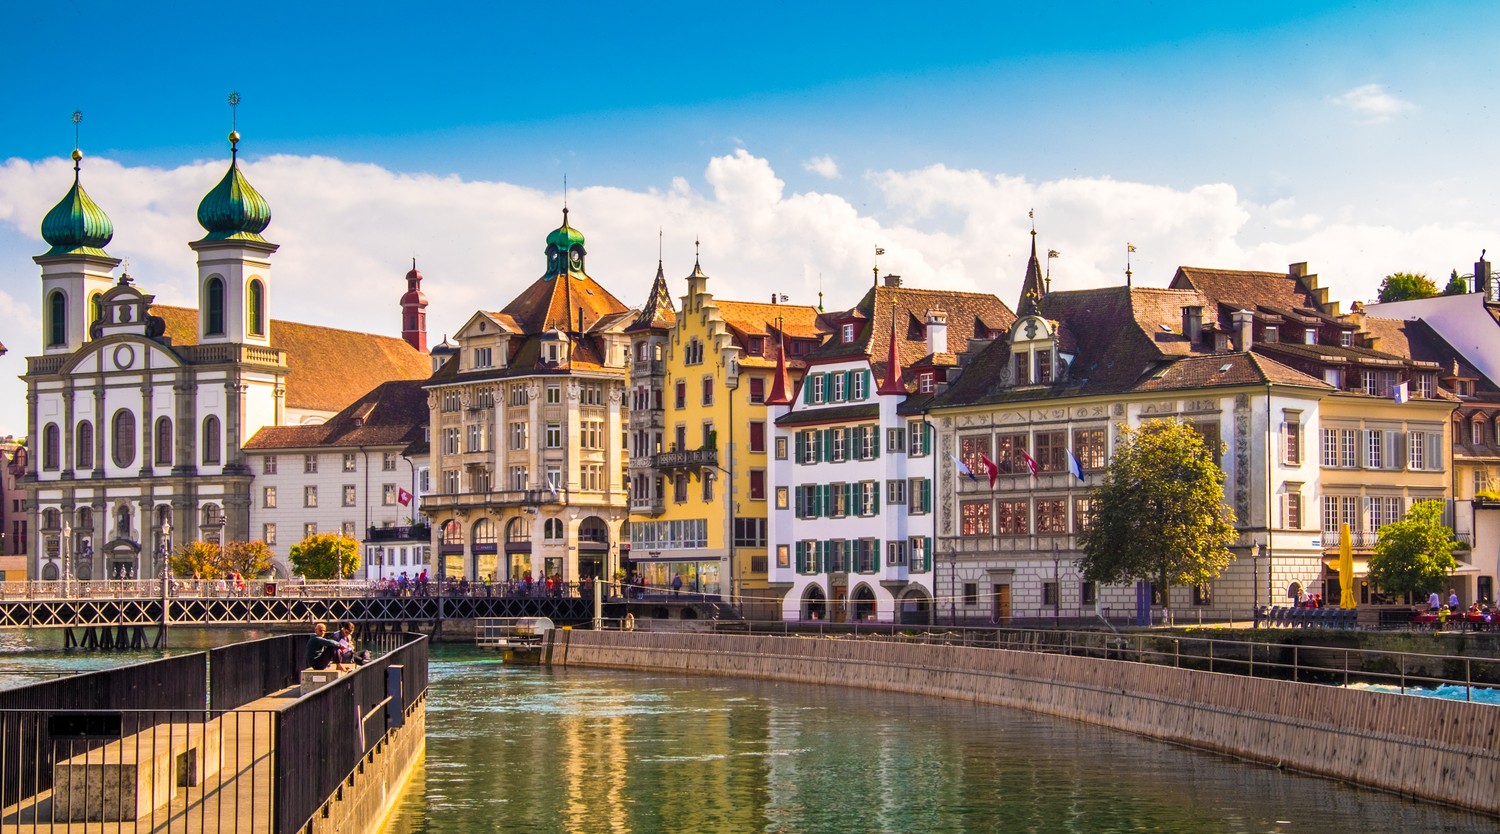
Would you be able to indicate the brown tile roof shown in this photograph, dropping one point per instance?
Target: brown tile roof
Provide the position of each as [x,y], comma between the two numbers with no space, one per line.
[1246,290]
[970,315]
[554,302]
[1225,369]
[391,414]
[657,312]
[758,318]
[327,368]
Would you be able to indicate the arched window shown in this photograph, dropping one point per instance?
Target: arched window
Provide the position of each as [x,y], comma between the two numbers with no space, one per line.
[51,520]
[484,536]
[552,530]
[210,440]
[85,519]
[163,444]
[122,530]
[256,303]
[51,447]
[213,301]
[453,532]
[210,515]
[96,309]
[83,455]
[517,531]
[124,438]
[57,319]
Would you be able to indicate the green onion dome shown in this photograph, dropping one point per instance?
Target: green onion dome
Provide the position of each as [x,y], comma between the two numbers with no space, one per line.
[77,226]
[234,210]
[565,237]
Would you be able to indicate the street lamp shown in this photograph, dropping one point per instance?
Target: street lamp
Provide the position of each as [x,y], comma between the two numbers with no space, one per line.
[953,583]
[732,384]
[67,535]
[1255,583]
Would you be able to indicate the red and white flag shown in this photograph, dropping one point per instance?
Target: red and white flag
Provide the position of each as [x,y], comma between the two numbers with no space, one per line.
[990,467]
[1030,463]
[403,497]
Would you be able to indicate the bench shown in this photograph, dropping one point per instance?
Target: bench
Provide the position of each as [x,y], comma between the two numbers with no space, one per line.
[315,679]
[128,778]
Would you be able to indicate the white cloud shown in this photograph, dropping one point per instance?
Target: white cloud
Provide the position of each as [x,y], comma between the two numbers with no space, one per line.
[1372,102]
[347,232]
[823,166]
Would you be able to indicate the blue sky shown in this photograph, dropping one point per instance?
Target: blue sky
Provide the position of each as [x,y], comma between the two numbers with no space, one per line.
[791,137]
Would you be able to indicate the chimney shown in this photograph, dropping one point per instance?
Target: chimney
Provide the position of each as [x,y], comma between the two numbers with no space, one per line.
[893,280]
[1192,323]
[1483,280]
[1244,326]
[937,331]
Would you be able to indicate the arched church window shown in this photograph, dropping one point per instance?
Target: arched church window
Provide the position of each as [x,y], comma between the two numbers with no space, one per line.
[96,309]
[57,319]
[51,447]
[213,301]
[123,434]
[210,440]
[83,455]
[163,444]
[256,301]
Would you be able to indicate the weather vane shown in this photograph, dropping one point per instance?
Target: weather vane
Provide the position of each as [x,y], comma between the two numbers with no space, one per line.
[1129,248]
[234,133]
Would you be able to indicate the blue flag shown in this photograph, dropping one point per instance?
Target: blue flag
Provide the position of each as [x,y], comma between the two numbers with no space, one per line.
[963,469]
[1074,466]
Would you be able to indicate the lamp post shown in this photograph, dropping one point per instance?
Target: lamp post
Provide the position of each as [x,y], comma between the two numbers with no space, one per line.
[164,569]
[1255,584]
[732,384]
[67,535]
[953,583]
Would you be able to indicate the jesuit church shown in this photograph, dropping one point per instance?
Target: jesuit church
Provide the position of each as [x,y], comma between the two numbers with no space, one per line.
[139,411]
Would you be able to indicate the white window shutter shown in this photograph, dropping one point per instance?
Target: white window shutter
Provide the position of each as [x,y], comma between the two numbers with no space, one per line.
[1395,450]
[1434,458]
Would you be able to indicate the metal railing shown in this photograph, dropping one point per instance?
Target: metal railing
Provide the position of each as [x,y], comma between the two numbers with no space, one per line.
[1286,661]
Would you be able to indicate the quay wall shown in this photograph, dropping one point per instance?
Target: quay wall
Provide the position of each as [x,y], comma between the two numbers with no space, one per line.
[364,800]
[1426,748]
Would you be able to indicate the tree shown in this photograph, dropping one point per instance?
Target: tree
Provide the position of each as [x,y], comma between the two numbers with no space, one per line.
[201,559]
[1160,514]
[1401,286]
[1415,554]
[1457,284]
[251,559]
[321,556]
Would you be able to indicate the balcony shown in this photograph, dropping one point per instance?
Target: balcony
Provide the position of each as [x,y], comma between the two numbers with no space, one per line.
[648,367]
[649,506]
[1366,538]
[690,459]
[410,533]
[506,498]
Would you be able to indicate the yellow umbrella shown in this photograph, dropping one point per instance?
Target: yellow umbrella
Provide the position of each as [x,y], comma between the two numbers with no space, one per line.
[1346,567]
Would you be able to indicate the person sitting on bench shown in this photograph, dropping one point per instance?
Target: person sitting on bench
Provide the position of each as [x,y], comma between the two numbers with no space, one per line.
[321,651]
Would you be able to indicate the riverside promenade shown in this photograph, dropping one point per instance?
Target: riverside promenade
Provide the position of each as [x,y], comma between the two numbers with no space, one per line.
[1426,748]
[236,739]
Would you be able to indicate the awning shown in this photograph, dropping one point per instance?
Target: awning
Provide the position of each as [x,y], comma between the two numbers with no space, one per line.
[1362,567]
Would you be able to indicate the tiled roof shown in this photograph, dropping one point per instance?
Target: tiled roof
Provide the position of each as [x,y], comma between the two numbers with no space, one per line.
[657,312]
[554,302]
[1225,369]
[968,313]
[326,368]
[832,414]
[392,414]
[1246,290]
[751,318]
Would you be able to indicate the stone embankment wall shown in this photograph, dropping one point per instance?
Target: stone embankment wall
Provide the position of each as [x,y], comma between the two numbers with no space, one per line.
[366,798]
[1444,751]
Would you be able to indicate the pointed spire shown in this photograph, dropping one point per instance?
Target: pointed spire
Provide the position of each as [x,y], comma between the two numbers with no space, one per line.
[890,383]
[781,384]
[1032,288]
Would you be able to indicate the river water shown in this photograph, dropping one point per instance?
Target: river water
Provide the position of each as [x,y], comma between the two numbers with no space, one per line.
[529,750]
[522,749]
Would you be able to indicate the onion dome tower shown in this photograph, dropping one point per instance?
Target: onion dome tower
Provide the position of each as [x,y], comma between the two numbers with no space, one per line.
[234,261]
[76,269]
[414,310]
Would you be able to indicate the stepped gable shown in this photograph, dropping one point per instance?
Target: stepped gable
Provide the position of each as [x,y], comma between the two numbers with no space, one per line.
[970,316]
[391,414]
[327,368]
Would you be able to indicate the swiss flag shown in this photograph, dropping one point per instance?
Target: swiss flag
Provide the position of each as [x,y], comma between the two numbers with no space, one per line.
[403,497]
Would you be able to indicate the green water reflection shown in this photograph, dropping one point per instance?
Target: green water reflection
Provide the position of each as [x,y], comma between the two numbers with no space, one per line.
[515,749]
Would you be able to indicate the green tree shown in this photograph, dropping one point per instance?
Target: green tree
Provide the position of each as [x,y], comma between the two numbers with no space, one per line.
[1160,514]
[251,559]
[204,560]
[1400,286]
[1415,554]
[321,556]
[1457,284]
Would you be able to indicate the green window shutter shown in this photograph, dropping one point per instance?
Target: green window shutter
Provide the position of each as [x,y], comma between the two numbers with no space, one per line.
[797,453]
[827,444]
[927,497]
[856,444]
[807,389]
[820,501]
[849,385]
[927,554]
[875,447]
[851,498]
[876,555]
[869,384]
[801,554]
[820,556]
[875,490]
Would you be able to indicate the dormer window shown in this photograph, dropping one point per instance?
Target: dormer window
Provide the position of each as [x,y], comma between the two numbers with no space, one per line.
[925,383]
[1269,334]
[1310,337]
[1424,386]
[1346,338]
[756,346]
[848,333]
[1023,368]
[1044,366]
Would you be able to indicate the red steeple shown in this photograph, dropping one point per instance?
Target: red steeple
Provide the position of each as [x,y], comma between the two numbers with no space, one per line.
[891,382]
[781,386]
[414,310]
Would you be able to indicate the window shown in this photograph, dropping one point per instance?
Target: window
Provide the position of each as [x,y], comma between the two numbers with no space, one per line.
[83,457]
[895,492]
[476,438]
[450,481]
[920,495]
[211,445]
[1049,594]
[1423,386]
[1416,445]
[925,383]
[757,390]
[1010,455]
[1088,447]
[708,390]
[1476,432]
[350,462]
[838,387]
[1294,506]
[869,443]
[971,593]
[347,529]
[680,489]
[895,440]
[708,485]
[1374,443]
[268,534]
[57,319]
[309,496]
[518,436]
[388,495]
[807,447]
[817,387]
[837,434]
[693,353]
[1083,514]
[1012,518]
[1292,433]
[1052,515]
[268,465]
[858,386]
[1330,447]
[919,553]
[1204,594]
[837,499]
[309,530]
[895,553]
[255,308]
[554,478]
[749,532]
[757,485]
[483,357]
[920,434]
[1051,451]
[554,436]
[974,518]
[553,393]
[847,332]
[309,464]
[781,448]
[518,394]
[972,449]
[1384,511]
[163,446]
[1023,368]
[213,293]
[518,477]
[756,345]
[124,437]
[782,498]
[268,498]
[757,436]
[1044,366]
[679,389]
[388,462]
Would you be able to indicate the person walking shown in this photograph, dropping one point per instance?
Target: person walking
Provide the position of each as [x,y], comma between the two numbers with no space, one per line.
[676,584]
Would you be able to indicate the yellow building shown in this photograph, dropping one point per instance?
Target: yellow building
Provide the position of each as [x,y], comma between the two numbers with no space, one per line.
[717,362]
